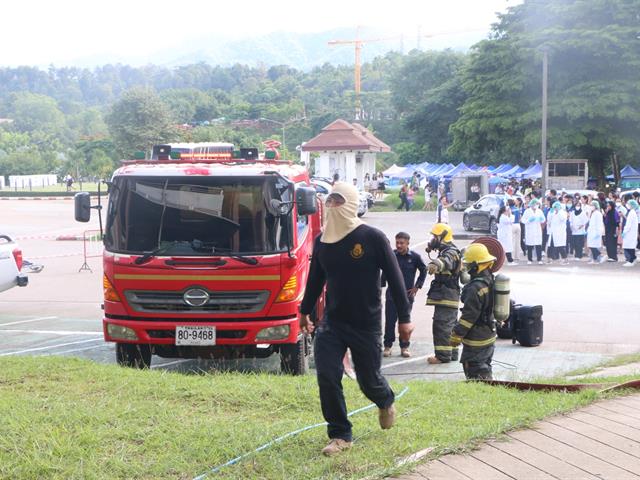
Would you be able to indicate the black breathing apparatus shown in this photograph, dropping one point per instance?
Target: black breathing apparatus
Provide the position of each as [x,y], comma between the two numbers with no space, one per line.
[436,242]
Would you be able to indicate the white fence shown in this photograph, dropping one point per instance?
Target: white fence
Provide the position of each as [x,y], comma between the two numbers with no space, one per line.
[23,182]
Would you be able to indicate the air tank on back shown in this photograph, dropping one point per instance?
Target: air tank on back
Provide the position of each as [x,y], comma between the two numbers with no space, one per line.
[501,291]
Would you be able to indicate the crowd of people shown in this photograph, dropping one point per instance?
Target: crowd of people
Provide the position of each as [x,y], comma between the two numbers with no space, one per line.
[561,226]
[375,185]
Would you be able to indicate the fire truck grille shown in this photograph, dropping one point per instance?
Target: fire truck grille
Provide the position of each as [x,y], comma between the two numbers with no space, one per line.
[217,302]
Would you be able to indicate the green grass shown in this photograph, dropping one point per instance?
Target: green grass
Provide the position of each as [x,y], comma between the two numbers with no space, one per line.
[392,201]
[70,418]
[613,362]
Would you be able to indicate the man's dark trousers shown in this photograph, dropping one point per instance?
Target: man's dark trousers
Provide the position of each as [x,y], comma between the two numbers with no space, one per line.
[331,343]
[390,320]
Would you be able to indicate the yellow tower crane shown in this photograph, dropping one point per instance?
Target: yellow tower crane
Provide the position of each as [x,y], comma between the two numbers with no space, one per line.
[358,43]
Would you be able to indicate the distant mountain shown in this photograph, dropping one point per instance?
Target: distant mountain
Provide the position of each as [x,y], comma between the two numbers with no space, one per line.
[300,50]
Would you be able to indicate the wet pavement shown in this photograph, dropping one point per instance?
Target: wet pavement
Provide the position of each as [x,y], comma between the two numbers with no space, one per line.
[591,312]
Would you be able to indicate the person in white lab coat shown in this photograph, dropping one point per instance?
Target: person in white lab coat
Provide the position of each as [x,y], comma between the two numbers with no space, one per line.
[505,234]
[595,231]
[533,219]
[557,227]
[578,220]
[630,234]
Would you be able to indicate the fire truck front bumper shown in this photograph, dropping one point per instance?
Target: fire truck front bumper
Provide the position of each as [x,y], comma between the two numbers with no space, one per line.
[238,332]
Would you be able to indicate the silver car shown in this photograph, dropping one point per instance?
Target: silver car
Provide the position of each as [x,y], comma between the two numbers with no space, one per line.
[323,189]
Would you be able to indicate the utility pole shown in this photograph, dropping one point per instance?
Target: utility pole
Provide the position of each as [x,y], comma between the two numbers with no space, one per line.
[543,155]
[283,125]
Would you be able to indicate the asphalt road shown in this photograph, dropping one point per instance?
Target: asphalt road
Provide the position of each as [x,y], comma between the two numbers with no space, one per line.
[590,312]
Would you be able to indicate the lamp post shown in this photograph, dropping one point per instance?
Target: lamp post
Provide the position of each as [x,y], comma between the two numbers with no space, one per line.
[543,155]
[283,126]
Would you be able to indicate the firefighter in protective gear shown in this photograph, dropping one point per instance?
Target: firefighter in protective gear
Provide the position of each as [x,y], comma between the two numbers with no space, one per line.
[444,292]
[476,329]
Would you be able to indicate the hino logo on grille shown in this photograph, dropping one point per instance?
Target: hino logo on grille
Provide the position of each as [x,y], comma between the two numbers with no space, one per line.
[196,297]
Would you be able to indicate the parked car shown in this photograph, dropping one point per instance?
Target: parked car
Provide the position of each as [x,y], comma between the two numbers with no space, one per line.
[629,192]
[323,189]
[483,214]
[10,265]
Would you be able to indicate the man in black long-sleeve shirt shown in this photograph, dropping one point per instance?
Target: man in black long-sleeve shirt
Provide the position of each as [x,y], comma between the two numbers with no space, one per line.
[410,263]
[348,258]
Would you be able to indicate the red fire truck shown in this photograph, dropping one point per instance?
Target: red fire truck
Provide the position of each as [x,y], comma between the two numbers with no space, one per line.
[207,257]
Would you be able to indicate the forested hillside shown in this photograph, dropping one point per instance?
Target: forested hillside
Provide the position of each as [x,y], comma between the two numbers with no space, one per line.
[484,106]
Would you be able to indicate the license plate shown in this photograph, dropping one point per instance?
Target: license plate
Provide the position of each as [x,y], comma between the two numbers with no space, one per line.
[195,335]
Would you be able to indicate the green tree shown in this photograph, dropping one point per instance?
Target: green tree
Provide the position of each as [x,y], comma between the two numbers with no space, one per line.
[34,112]
[190,105]
[594,86]
[23,161]
[88,123]
[138,121]
[427,93]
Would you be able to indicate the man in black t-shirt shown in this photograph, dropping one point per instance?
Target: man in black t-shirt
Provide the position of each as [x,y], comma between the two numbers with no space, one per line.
[348,258]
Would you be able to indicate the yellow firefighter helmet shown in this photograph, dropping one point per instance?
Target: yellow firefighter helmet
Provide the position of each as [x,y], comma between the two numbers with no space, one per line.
[477,253]
[443,232]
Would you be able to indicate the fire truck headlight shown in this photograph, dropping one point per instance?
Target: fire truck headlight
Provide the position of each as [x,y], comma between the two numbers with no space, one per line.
[121,333]
[274,333]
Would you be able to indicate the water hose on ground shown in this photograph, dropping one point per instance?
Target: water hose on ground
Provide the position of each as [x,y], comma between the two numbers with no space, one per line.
[570,387]
[284,437]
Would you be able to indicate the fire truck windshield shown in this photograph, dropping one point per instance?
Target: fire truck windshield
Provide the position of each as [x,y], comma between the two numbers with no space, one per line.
[187,216]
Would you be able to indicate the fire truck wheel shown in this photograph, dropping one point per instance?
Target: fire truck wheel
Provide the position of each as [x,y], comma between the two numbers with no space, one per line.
[133,355]
[294,357]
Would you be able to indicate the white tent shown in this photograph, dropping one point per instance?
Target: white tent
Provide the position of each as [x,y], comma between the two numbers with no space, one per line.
[392,170]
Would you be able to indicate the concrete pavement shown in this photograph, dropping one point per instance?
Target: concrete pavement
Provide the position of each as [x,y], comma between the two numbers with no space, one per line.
[591,312]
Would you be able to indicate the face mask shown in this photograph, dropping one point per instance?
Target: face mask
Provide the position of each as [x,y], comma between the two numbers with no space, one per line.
[434,244]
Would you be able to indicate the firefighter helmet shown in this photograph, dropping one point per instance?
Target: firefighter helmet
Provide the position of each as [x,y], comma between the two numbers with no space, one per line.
[477,253]
[443,232]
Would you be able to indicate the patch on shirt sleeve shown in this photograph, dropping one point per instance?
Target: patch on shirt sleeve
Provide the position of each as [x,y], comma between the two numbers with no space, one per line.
[357,251]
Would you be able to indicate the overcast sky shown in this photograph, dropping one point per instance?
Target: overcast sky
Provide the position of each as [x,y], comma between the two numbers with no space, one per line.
[43,32]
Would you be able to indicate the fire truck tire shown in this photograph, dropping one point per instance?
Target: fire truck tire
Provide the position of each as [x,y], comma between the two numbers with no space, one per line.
[133,355]
[294,357]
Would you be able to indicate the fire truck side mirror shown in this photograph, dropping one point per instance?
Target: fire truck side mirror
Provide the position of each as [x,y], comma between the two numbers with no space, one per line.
[306,200]
[82,206]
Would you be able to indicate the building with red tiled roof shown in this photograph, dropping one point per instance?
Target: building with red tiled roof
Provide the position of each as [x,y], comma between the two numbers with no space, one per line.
[348,149]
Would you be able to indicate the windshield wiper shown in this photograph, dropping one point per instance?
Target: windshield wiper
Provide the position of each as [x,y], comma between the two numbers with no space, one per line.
[227,253]
[154,253]
[247,260]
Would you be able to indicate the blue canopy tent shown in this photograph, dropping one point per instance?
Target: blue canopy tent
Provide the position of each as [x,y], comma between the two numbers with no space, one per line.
[423,168]
[494,181]
[626,172]
[460,168]
[513,173]
[629,171]
[534,171]
[441,171]
[502,168]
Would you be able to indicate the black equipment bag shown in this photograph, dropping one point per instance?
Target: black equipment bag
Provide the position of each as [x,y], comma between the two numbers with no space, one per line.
[505,331]
[527,327]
